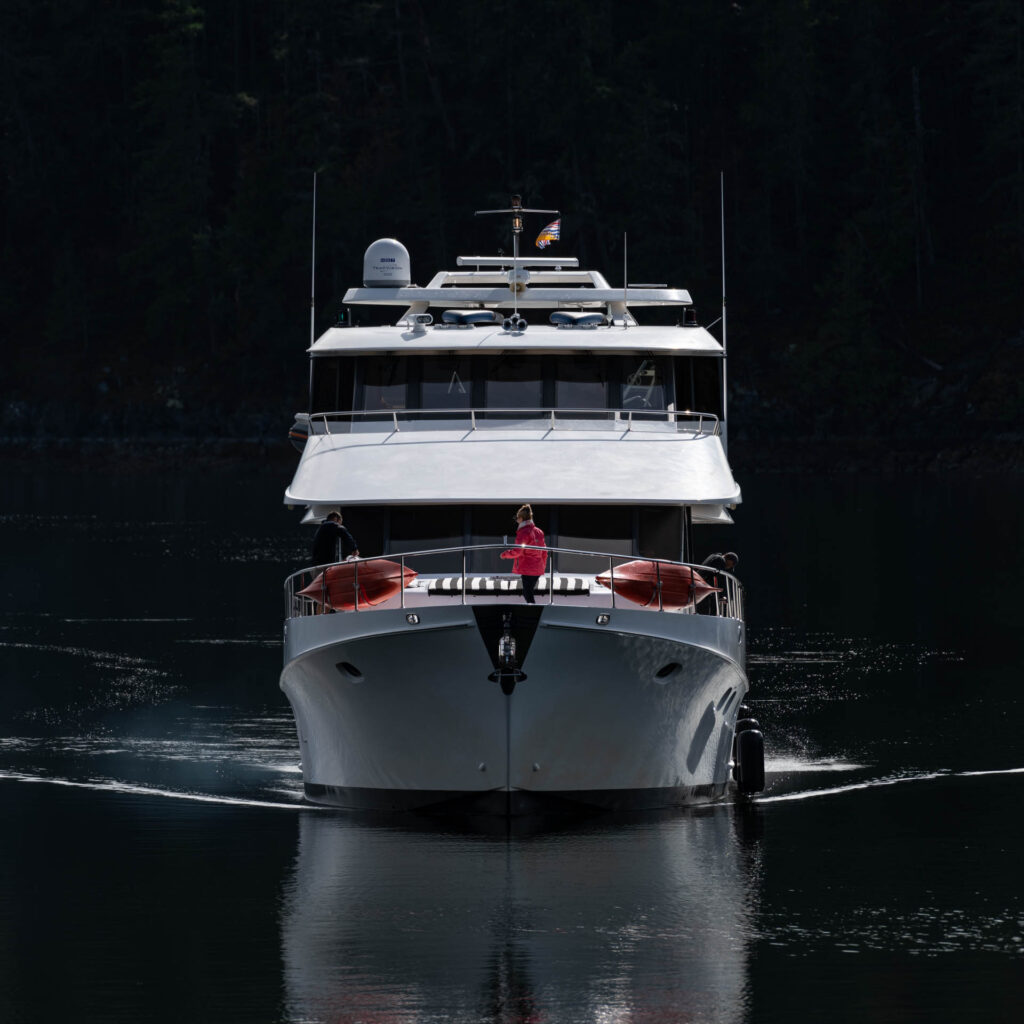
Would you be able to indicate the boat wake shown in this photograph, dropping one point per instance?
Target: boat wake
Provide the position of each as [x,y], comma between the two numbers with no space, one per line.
[877,783]
[133,789]
[789,765]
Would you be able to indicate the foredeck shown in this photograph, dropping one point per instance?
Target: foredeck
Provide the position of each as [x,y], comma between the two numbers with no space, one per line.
[601,583]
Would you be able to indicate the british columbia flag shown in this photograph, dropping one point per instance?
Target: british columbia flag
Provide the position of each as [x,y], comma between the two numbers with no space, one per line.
[550,234]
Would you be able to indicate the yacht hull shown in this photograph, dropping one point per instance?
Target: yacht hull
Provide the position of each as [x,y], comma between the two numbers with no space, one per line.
[635,713]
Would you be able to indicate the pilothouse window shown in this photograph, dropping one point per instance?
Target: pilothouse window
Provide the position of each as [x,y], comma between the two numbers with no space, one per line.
[331,384]
[384,383]
[515,381]
[644,386]
[447,382]
[581,382]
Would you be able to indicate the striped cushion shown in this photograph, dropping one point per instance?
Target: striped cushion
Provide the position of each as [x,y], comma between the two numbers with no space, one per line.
[496,585]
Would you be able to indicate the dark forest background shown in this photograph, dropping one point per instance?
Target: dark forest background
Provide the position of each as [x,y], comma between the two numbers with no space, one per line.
[158,159]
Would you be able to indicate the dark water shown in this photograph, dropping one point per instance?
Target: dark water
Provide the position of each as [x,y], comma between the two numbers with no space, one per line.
[156,863]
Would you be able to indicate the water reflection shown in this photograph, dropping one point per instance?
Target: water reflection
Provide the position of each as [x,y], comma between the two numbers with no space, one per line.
[642,920]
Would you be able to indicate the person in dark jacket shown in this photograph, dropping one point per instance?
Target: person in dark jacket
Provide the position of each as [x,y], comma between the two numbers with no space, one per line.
[728,561]
[724,563]
[329,535]
[528,565]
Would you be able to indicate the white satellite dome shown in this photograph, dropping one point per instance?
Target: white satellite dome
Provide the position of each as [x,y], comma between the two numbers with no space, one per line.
[386,265]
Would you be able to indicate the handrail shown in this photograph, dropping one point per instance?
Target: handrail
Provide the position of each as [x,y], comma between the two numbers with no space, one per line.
[550,413]
[729,601]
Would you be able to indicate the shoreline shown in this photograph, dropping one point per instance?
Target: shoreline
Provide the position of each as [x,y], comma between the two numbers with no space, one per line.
[982,456]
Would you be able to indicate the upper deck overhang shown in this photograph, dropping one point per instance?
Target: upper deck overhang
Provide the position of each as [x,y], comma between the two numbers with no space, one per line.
[580,466]
[501,297]
[681,341]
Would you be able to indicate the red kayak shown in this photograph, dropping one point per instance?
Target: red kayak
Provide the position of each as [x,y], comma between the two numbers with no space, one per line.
[681,586]
[379,579]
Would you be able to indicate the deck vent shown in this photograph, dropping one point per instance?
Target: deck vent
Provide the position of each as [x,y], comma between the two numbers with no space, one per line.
[386,265]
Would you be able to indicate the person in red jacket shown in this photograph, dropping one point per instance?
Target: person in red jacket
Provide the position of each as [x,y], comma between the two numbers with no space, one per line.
[529,565]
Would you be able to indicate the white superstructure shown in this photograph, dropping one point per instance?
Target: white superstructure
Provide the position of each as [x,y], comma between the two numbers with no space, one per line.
[513,380]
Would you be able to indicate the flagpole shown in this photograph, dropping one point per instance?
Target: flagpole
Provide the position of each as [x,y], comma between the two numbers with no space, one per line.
[518,212]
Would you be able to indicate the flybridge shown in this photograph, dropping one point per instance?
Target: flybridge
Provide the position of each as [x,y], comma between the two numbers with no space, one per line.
[534,282]
[505,283]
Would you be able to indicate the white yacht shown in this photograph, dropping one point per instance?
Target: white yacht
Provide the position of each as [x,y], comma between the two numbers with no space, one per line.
[419,677]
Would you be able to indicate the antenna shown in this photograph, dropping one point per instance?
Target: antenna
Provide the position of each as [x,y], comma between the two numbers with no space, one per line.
[625,279]
[312,288]
[517,210]
[724,338]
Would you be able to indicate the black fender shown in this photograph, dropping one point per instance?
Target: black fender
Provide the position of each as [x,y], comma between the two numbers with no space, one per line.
[750,761]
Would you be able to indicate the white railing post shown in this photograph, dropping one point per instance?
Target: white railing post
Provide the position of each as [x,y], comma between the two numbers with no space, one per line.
[402,591]
[464,575]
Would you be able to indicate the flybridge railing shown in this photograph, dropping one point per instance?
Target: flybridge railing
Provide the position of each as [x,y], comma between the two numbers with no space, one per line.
[684,595]
[685,420]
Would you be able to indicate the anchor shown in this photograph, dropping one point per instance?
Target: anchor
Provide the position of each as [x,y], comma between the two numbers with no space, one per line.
[508,672]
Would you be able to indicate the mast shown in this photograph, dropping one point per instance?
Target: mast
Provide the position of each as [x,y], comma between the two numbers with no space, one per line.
[517,210]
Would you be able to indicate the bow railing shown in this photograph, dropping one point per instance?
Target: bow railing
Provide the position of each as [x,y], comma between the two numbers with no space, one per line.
[571,576]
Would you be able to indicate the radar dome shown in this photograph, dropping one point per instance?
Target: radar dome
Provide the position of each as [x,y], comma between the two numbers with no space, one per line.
[386,265]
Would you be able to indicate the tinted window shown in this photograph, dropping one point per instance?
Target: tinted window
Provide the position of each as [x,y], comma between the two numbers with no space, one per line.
[424,528]
[593,529]
[644,384]
[493,524]
[384,383]
[514,381]
[446,382]
[581,382]
[366,524]
[660,532]
[332,384]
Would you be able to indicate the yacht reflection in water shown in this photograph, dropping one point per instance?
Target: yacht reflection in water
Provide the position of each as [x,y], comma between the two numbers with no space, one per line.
[643,920]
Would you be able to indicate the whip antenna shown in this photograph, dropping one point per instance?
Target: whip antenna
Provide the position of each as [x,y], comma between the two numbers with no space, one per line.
[312,288]
[625,279]
[724,350]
